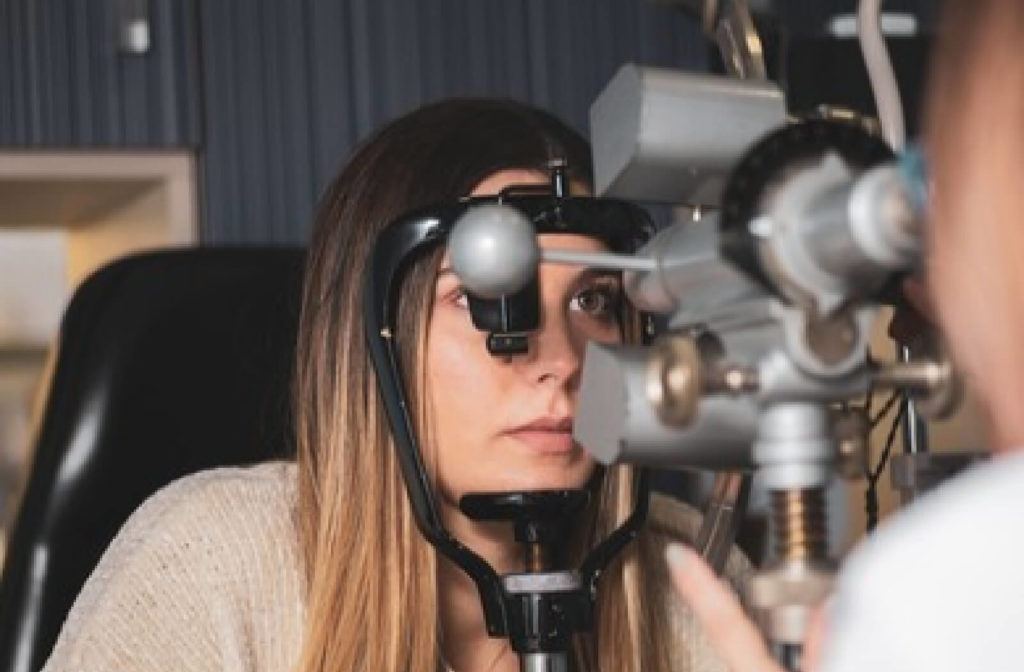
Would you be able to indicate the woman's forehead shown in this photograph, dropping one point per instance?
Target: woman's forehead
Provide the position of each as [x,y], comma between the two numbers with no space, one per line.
[571,241]
[495,182]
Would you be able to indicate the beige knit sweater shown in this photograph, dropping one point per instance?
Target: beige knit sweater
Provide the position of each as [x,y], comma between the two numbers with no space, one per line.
[205,576]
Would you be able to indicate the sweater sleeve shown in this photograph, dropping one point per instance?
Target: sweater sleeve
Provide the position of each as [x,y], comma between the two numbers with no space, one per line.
[191,582]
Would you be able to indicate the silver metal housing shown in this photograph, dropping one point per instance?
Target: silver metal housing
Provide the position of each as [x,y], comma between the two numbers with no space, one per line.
[672,137]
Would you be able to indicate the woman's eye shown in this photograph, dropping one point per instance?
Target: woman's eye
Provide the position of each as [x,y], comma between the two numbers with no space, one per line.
[452,294]
[601,302]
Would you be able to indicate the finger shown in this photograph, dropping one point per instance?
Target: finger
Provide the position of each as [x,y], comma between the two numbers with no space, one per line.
[817,626]
[733,635]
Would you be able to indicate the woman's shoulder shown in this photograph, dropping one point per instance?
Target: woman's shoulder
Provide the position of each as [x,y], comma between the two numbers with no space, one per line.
[211,554]
[673,517]
[196,524]
[672,520]
[212,509]
[267,488]
[274,478]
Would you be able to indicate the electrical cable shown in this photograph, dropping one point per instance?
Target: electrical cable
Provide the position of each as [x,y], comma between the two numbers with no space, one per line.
[871,493]
[881,73]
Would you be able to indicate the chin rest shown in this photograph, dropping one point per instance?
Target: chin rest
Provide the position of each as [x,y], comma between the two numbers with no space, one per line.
[167,363]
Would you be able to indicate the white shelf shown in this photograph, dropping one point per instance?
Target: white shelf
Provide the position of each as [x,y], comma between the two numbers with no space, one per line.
[63,215]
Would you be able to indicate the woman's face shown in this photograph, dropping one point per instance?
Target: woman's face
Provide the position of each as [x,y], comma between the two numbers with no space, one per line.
[505,423]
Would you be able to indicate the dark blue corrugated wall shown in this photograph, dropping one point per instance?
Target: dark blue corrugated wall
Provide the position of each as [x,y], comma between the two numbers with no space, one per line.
[63,82]
[290,87]
[272,94]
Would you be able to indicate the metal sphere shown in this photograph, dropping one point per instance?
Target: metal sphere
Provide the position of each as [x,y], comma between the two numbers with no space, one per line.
[493,249]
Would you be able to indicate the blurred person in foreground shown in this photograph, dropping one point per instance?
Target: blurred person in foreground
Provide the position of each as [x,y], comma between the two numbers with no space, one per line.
[940,587]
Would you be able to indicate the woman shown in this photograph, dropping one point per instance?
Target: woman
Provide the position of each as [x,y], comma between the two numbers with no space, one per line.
[939,588]
[320,567]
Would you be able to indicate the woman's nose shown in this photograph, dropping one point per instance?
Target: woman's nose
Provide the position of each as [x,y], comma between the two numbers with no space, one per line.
[555,352]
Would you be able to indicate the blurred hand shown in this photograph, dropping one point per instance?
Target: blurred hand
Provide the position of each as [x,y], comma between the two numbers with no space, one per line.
[731,632]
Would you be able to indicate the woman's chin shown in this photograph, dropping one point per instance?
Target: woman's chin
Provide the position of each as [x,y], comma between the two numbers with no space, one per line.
[538,479]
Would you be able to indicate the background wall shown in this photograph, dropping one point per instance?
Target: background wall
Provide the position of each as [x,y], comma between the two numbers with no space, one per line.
[64,82]
[290,88]
[273,94]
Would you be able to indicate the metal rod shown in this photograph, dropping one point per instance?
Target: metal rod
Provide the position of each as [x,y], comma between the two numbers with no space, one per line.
[722,518]
[912,376]
[618,262]
[915,433]
[544,662]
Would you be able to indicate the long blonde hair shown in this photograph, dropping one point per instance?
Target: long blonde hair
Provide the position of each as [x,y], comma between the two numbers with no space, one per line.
[371,577]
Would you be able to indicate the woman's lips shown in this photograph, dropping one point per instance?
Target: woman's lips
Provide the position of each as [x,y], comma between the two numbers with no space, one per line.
[546,436]
[548,442]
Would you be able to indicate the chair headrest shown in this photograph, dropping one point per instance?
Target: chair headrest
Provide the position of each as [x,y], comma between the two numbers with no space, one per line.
[167,363]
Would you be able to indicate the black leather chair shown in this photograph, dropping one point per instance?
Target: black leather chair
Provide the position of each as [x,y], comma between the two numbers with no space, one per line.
[168,363]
